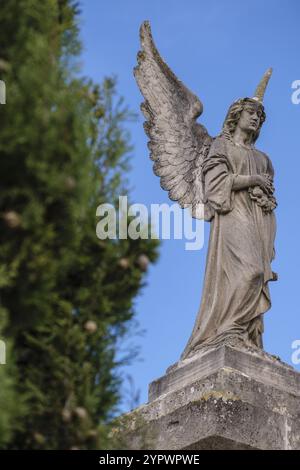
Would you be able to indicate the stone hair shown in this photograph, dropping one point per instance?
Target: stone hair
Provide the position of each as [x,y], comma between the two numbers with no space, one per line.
[234,114]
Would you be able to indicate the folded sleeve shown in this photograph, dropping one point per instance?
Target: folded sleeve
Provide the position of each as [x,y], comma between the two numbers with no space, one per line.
[218,179]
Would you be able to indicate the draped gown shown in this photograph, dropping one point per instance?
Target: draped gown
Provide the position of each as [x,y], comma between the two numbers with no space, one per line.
[241,248]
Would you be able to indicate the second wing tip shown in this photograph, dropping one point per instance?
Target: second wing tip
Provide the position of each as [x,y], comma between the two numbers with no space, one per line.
[145,27]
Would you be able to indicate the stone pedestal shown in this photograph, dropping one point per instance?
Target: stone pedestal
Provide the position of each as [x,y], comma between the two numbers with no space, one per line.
[227,398]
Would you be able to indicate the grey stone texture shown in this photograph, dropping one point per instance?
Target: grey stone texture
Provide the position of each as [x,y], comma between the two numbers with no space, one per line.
[225,392]
[227,181]
[227,398]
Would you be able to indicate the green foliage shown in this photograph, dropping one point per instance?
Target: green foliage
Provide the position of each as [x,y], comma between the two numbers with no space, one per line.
[69,297]
[12,406]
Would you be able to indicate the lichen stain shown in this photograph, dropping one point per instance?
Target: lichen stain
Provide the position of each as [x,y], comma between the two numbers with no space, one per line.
[223,395]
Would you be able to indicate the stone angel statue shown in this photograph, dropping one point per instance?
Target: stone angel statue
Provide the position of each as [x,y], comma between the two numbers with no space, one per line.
[228,177]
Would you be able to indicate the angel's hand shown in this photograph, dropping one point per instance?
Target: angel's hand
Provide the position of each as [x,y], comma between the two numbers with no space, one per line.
[265,182]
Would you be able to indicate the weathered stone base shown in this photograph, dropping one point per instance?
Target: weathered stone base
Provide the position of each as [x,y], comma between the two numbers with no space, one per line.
[225,399]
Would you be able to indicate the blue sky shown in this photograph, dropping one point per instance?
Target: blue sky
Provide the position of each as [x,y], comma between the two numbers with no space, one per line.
[219,49]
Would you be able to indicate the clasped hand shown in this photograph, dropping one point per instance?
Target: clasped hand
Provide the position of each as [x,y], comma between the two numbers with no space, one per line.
[265,181]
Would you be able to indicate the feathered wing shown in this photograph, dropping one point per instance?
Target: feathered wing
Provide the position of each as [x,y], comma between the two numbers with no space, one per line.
[177,143]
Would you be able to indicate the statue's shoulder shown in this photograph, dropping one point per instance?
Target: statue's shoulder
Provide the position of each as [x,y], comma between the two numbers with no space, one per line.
[261,152]
[219,146]
[264,156]
[218,153]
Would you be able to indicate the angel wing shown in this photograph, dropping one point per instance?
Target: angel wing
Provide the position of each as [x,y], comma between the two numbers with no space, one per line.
[177,143]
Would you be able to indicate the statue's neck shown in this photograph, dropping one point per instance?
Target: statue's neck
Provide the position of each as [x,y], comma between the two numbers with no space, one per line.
[242,137]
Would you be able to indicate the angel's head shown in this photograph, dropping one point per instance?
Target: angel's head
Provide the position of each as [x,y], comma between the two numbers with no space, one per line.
[247,113]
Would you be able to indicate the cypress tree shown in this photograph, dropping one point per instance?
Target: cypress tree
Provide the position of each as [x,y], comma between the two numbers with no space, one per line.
[67,296]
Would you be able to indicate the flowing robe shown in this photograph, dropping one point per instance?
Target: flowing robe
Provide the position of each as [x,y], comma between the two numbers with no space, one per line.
[241,248]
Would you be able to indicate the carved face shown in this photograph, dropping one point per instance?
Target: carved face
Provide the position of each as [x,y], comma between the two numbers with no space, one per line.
[250,118]
[248,108]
